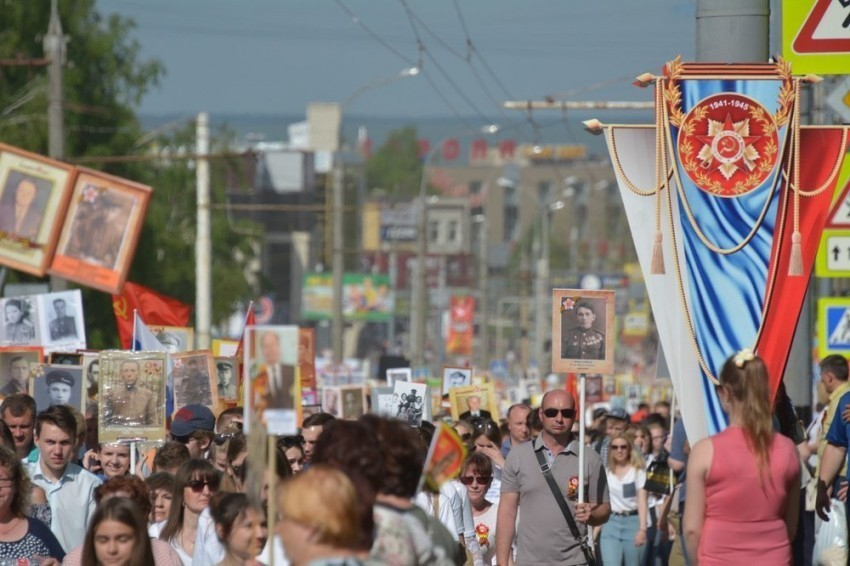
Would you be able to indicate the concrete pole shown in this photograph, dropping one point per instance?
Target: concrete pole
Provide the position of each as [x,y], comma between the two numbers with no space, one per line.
[733,31]
[542,294]
[54,50]
[203,277]
[337,265]
[484,296]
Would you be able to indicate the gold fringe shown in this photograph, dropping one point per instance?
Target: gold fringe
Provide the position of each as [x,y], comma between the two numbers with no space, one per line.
[657,267]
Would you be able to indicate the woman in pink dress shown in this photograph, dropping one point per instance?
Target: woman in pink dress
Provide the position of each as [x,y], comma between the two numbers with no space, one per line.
[743,483]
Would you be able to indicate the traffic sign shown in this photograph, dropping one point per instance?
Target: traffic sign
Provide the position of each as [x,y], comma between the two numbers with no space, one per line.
[816,36]
[839,99]
[833,259]
[839,213]
[833,326]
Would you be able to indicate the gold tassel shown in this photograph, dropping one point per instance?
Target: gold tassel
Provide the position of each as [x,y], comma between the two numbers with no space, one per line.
[657,267]
[795,266]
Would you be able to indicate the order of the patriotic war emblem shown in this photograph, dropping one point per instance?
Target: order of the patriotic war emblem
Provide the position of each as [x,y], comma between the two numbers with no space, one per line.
[728,144]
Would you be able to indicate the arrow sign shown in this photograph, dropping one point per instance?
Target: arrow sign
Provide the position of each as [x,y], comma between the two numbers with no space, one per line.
[839,99]
[826,29]
[839,253]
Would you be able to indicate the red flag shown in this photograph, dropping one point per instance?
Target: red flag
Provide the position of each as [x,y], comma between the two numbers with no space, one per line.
[445,457]
[153,308]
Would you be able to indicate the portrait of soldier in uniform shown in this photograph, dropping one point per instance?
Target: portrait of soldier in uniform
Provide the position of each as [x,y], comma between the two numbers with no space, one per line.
[128,403]
[19,328]
[16,374]
[57,385]
[224,368]
[62,325]
[98,228]
[582,341]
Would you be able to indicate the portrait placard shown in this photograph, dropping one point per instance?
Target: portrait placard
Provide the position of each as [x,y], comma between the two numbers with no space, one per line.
[52,320]
[91,371]
[271,386]
[383,402]
[455,377]
[34,193]
[474,401]
[174,338]
[307,357]
[132,395]
[353,403]
[57,385]
[192,380]
[583,331]
[65,358]
[100,234]
[398,374]
[15,365]
[227,374]
[409,402]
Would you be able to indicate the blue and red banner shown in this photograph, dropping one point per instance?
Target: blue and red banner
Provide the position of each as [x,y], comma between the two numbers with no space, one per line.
[728,177]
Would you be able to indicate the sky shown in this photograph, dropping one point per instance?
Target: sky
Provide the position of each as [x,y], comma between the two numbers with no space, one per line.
[276,56]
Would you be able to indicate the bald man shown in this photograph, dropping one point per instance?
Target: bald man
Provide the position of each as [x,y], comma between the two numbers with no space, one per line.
[20,217]
[544,536]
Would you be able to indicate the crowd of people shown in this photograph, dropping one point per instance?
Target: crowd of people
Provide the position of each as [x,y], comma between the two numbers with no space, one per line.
[351,491]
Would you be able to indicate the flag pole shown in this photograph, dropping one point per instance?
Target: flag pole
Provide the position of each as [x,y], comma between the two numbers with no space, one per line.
[581,379]
[135,326]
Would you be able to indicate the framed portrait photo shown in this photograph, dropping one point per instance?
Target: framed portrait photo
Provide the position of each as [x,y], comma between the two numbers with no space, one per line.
[227,374]
[101,230]
[382,401]
[410,402]
[34,193]
[455,377]
[174,339]
[15,366]
[353,403]
[474,401]
[21,316]
[54,384]
[131,395]
[62,324]
[398,374]
[271,386]
[583,331]
[195,381]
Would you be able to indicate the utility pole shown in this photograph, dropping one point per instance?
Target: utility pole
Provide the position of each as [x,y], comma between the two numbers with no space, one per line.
[203,279]
[337,261]
[54,51]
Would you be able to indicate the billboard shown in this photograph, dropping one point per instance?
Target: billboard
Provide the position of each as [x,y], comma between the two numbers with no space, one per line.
[364,297]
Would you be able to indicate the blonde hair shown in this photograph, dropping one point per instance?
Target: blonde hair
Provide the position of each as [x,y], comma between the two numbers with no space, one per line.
[324,499]
[635,458]
[746,381]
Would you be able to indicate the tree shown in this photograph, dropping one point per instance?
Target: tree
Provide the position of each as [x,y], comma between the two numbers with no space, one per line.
[396,167]
[104,80]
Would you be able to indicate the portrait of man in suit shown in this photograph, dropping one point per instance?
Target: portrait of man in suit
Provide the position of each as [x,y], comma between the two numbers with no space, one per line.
[474,410]
[22,206]
[273,386]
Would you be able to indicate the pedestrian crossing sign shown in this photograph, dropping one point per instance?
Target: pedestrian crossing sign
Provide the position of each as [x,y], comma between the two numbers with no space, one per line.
[834,326]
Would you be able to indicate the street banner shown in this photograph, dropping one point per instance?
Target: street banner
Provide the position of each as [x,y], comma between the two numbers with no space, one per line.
[154,308]
[459,339]
[738,193]
[445,457]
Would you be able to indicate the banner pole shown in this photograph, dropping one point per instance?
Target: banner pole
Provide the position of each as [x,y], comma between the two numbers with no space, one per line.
[581,382]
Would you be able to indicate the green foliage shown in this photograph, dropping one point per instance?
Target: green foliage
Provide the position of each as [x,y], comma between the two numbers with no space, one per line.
[104,80]
[395,167]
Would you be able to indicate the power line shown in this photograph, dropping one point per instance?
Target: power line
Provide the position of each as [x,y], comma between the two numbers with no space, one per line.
[356,19]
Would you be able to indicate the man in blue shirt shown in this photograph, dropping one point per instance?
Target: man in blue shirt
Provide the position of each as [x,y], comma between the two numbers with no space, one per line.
[833,459]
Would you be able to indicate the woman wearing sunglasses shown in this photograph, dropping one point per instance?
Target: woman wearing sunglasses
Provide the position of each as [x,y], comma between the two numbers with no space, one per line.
[194,484]
[625,531]
[487,439]
[477,476]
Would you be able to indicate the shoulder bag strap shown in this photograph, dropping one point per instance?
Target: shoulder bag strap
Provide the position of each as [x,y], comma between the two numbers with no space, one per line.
[559,499]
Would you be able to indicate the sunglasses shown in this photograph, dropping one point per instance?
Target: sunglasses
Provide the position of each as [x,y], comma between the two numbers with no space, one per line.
[466,436]
[197,486]
[222,438]
[551,413]
[619,447]
[469,480]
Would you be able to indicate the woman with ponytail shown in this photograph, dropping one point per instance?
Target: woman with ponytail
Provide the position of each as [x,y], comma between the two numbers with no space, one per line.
[744,482]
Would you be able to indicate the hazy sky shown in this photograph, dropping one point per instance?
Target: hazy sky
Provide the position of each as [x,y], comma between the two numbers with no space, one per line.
[274,56]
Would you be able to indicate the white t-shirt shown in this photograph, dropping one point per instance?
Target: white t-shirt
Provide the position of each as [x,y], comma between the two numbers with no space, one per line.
[485,533]
[623,492]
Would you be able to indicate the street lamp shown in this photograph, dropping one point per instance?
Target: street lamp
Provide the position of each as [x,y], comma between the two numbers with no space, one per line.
[419,297]
[337,266]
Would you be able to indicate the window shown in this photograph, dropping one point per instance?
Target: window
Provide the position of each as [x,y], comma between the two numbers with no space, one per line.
[452,233]
[433,231]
